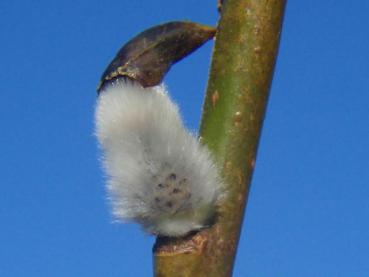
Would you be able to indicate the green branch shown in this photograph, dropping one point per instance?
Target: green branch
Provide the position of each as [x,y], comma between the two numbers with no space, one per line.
[241,73]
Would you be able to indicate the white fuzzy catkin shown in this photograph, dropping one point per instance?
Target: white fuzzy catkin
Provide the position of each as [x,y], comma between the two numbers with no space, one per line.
[159,175]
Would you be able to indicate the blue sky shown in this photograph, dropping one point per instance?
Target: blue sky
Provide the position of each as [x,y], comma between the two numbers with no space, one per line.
[308,210]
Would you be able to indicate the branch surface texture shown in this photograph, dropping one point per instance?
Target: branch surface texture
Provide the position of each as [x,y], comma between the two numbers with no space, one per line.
[241,72]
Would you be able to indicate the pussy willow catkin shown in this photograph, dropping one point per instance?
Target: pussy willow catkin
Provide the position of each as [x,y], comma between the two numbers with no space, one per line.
[158,174]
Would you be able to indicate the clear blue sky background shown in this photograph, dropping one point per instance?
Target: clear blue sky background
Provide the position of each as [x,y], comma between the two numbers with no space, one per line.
[308,211]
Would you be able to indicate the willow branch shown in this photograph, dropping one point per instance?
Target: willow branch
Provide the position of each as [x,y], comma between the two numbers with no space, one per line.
[241,73]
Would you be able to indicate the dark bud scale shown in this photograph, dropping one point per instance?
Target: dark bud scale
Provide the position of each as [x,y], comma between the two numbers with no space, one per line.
[148,56]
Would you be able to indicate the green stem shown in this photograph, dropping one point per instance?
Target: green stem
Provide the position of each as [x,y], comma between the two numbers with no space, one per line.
[241,73]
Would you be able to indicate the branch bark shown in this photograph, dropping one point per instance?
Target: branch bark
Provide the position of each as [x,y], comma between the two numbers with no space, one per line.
[240,77]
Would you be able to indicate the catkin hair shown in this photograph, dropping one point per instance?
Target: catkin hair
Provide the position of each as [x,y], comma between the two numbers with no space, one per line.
[158,174]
